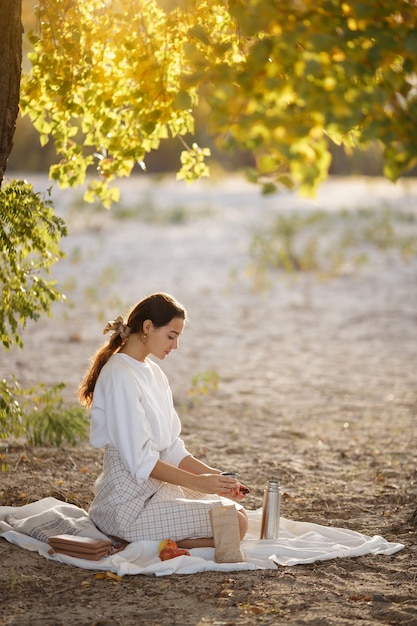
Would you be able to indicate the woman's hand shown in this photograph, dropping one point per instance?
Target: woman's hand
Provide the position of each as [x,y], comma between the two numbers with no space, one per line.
[195,475]
[239,493]
[225,486]
[217,483]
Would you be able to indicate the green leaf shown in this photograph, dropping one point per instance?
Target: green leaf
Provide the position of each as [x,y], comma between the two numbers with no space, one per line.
[199,32]
[410,43]
[182,100]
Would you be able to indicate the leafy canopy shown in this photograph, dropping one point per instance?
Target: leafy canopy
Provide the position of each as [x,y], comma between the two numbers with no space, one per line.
[30,234]
[111,78]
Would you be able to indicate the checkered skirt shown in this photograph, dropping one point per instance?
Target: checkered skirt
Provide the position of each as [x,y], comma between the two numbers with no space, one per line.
[150,510]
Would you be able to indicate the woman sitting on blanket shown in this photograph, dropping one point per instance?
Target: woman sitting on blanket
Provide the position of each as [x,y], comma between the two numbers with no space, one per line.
[151,487]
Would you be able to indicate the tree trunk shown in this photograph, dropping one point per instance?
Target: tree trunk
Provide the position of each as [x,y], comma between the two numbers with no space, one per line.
[10,72]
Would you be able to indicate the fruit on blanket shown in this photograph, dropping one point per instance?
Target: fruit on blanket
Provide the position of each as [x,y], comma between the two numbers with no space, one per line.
[167,543]
[182,551]
[168,549]
[168,553]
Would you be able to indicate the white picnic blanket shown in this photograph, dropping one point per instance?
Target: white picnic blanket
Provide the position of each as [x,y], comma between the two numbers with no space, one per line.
[29,527]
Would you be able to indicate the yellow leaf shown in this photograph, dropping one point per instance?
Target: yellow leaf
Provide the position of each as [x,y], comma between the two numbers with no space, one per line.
[114,576]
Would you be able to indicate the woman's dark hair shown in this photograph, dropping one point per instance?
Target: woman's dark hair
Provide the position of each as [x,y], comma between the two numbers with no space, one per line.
[160,308]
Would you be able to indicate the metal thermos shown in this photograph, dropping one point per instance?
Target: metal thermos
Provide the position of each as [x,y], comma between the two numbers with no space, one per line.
[271,510]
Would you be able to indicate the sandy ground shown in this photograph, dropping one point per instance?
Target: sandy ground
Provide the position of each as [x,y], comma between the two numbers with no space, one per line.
[316,384]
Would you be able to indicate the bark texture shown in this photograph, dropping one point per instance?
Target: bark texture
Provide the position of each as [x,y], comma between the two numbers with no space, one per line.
[10,72]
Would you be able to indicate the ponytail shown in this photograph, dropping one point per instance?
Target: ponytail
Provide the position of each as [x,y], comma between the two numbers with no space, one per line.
[99,360]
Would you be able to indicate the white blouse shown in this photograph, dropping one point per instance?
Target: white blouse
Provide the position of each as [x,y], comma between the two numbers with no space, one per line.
[133,410]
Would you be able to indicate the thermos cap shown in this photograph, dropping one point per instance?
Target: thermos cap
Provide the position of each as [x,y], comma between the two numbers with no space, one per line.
[273,485]
[233,474]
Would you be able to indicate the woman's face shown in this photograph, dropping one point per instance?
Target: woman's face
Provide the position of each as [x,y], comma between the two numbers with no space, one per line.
[164,339]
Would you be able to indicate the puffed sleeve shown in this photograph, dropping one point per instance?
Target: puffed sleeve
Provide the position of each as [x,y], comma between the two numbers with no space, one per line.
[175,453]
[119,419]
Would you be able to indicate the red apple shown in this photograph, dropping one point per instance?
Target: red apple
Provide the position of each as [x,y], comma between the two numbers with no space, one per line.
[182,551]
[168,553]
